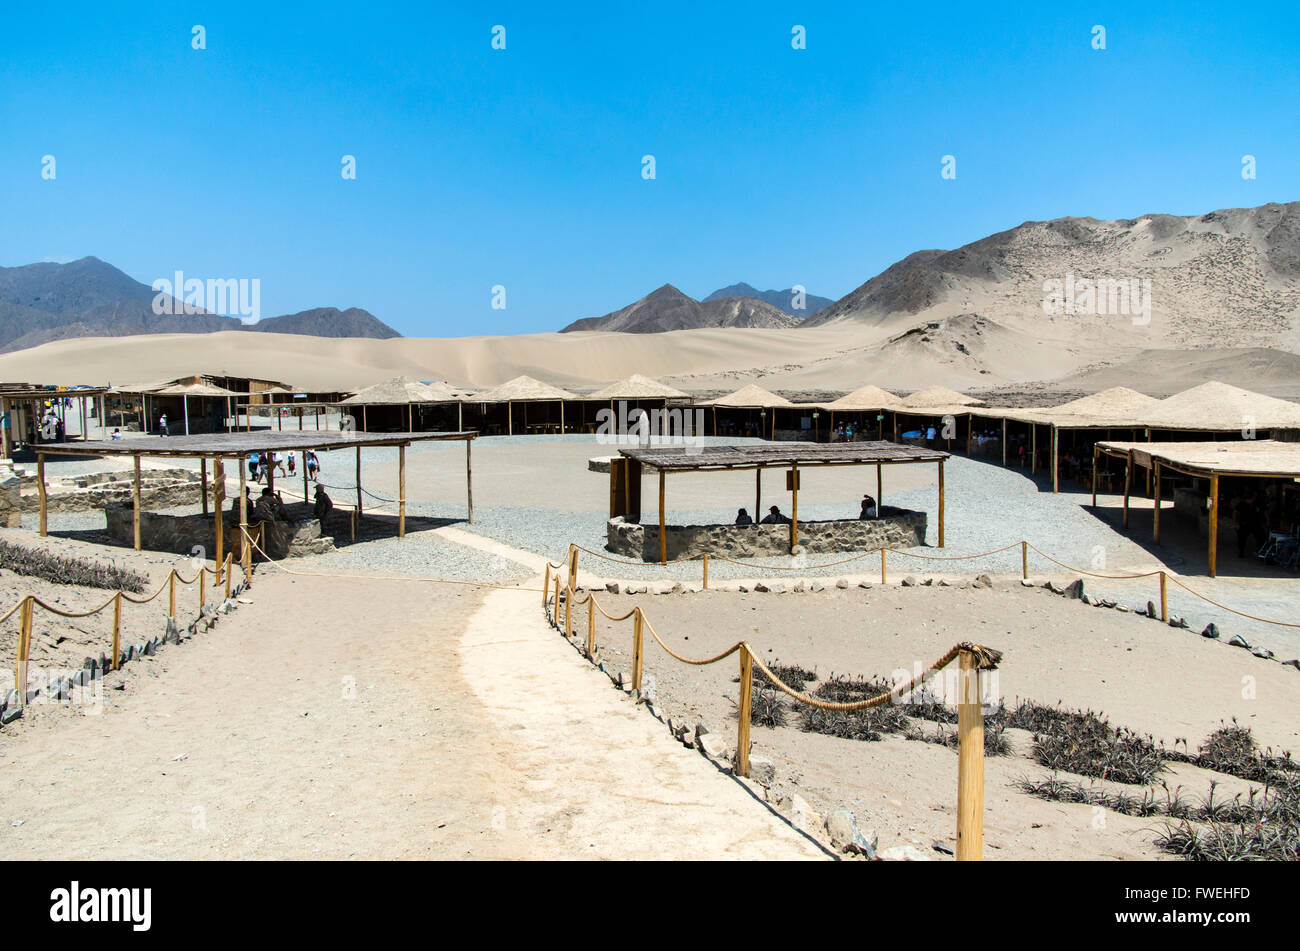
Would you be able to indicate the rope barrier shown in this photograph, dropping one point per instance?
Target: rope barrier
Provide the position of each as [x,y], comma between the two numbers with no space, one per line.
[1252,617]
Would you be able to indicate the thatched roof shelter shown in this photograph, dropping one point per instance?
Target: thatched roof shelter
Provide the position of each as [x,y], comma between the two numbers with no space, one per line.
[865,398]
[933,398]
[402,390]
[637,387]
[192,389]
[1219,407]
[751,397]
[522,389]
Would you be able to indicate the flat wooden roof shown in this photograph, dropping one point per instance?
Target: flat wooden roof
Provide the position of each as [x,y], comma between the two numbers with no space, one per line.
[40,394]
[241,444]
[1266,458]
[780,455]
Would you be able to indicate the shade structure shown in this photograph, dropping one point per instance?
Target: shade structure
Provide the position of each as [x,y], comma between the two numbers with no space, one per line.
[637,387]
[933,398]
[752,396]
[522,389]
[192,389]
[863,399]
[402,390]
[1219,407]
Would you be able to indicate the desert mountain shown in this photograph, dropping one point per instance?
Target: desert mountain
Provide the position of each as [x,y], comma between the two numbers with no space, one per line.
[669,309]
[40,303]
[782,300]
[1227,278]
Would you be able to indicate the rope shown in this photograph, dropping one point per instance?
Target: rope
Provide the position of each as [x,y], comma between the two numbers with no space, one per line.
[983,554]
[625,561]
[687,660]
[1232,610]
[1093,574]
[831,564]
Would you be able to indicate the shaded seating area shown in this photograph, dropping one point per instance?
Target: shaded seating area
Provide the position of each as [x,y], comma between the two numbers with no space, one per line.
[626,473]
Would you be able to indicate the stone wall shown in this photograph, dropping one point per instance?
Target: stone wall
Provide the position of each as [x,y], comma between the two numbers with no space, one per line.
[181,533]
[11,501]
[897,528]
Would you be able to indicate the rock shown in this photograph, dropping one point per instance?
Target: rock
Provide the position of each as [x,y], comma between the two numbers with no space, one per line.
[1263,652]
[150,649]
[1108,603]
[909,581]
[1151,609]
[1122,608]
[842,827]
[902,853]
[841,583]
[11,700]
[942,847]
[676,588]
[1053,587]
[742,589]
[1074,590]
[927,582]
[103,661]
[1238,641]
[943,583]
[1177,622]
[798,586]
[761,587]
[802,816]
[1026,583]
[983,581]
[701,729]
[1211,630]
[1293,662]
[864,584]
[762,770]
[611,587]
[817,586]
[712,746]
[10,714]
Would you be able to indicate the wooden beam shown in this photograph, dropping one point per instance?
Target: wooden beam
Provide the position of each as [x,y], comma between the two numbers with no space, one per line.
[203,480]
[794,508]
[245,549]
[401,491]
[1214,525]
[1155,522]
[358,480]
[135,500]
[218,497]
[663,537]
[1055,460]
[940,503]
[1128,484]
[469,482]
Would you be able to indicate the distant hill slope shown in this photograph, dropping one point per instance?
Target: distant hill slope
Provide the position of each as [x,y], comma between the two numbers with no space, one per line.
[1228,278]
[782,300]
[668,309]
[40,303]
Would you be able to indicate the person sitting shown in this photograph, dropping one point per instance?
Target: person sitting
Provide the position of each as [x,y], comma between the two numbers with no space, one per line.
[323,505]
[742,518]
[869,508]
[774,517]
[269,508]
[117,434]
[248,502]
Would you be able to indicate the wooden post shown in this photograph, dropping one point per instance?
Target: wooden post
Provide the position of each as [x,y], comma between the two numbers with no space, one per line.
[117,630]
[1155,521]
[746,700]
[568,610]
[638,626]
[573,566]
[546,585]
[1128,483]
[203,586]
[880,490]
[1214,524]
[970,763]
[1055,478]
[135,500]
[706,571]
[1004,440]
[510,418]
[365,426]
[882,565]
[218,498]
[203,481]
[940,503]
[1033,448]
[794,508]
[24,650]
[1024,560]
[591,627]
[1095,453]
[245,543]
[40,488]
[401,491]
[469,482]
[171,593]
[226,570]
[663,536]
[358,480]
[758,493]
[555,608]
[305,496]
[1164,597]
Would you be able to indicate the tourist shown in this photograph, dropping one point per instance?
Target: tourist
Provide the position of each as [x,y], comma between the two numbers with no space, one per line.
[292,464]
[930,435]
[869,509]
[774,517]
[254,467]
[162,425]
[742,518]
[277,462]
[117,434]
[323,506]
[312,463]
[270,507]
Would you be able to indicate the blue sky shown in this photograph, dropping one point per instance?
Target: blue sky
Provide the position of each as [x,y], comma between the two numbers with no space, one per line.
[522,167]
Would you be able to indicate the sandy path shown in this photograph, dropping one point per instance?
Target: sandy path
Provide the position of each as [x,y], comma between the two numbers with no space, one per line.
[281,760]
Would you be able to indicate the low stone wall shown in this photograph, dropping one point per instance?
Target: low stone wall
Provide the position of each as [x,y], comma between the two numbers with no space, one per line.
[896,528]
[181,533]
[11,501]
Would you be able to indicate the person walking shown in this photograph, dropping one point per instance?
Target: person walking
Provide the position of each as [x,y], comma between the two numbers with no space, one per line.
[292,464]
[312,463]
[162,425]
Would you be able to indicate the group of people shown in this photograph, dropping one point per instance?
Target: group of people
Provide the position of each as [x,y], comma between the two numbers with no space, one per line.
[844,432]
[270,506]
[260,463]
[775,516]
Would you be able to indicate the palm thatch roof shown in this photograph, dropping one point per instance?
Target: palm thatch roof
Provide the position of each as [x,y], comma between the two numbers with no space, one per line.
[1220,407]
[1115,408]
[865,398]
[193,389]
[637,387]
[938,397]
[523,389]
[401,390]
[751,397]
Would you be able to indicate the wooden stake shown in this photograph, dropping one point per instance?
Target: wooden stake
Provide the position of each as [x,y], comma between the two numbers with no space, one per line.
[117,630]
[1164,597]
[401,491]
[546,585]
[469,482]
[568,611]
[638,625]
[203,481]
[591,627]
[171,594]
[1055,474]
[940,503]
[573,566]
[706,571]
[24,650]
[882,565]
[135,500]
[663,536]
[40,488]
[970,763]
[1214,524]
[880,490]
[218,500]
[226,566]
[245,543]
[794,508]
[746,700]
[1024,560]
[358,480]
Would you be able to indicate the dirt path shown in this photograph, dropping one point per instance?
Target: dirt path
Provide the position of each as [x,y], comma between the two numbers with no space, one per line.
[329,719]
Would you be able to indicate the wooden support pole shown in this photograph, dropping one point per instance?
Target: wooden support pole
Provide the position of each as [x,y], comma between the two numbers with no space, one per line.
[746,701]
[1033,448]
[203,481]
[941,501]
[1214,524]
[638,629]
[546,585]
[226,570]
[663,536]
[573,566]
[1024,560]
[880,490]
[218,498]
[135,500]
[568,611]
[401,491]
[1004,440]
[591,627]
[171,593]
[203,585]
[882,565]
[706,571]
[1164,597]
[510,418]
[469,482]
[25,650]
[40,489]
[245,543]
[1095,453]
[1055,472]
[970,762]
[1155,520]
[794,508]
[758,493]
[358,480]
[555,605]
[117,630]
